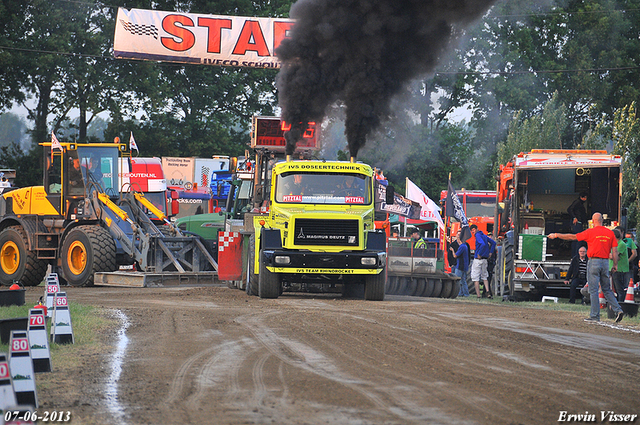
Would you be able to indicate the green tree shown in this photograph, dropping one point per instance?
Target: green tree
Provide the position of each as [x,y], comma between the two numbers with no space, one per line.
[12,129]
[626,138]
[544,130]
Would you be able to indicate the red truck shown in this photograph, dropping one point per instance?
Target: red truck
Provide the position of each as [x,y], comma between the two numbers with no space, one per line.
[479,207]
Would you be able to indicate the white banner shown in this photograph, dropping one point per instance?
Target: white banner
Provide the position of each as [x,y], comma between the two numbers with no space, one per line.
[200,39]
[430,210]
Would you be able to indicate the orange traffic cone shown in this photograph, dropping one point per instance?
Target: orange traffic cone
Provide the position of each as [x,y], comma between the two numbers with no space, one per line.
[630,297]
[603,300]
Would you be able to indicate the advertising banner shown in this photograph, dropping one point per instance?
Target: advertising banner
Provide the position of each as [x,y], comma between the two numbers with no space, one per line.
[402,206]
[199,39]
[178,171]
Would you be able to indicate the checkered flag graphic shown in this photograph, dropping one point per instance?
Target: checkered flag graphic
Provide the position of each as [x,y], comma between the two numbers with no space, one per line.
[140,29]
[205,176]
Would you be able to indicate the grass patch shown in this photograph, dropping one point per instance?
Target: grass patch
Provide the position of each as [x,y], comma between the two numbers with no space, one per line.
[90,325]
[561,305]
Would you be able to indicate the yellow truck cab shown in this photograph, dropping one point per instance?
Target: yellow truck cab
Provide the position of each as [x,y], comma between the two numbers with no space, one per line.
[319,231]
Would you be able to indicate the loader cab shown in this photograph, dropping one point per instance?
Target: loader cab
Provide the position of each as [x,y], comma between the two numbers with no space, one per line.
[71,174]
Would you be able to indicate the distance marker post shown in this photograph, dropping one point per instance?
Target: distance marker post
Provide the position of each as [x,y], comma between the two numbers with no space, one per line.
[61,329]
[21,368]
[51,289]
[7,394]
[39,343]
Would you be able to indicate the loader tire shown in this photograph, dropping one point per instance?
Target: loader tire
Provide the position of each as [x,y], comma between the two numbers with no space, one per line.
[269,283]
[87,250]
[374,287]
[17,263]
[252,278]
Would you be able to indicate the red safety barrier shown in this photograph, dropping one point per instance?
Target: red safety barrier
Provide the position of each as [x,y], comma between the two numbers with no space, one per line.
[230,256]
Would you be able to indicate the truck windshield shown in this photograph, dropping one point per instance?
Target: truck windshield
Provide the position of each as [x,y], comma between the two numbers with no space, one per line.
[480,206]
[158,199]
[323,188]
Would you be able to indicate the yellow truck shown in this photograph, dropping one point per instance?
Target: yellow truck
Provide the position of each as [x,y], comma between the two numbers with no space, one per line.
[319,231]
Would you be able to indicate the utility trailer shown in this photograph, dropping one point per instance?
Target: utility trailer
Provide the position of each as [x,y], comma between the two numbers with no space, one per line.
[418,271]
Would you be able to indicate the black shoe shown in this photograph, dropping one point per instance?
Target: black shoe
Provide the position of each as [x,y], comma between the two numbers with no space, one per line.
[591,320]
[619,316]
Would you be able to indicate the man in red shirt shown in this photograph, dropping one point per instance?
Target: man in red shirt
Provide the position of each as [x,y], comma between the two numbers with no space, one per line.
[600,243]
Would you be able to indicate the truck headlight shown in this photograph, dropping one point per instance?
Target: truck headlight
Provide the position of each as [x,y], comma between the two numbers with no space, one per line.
[369,261]
[282,259]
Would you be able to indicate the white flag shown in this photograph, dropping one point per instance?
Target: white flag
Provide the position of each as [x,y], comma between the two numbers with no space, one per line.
[55,144]
[132,143]
[430,210]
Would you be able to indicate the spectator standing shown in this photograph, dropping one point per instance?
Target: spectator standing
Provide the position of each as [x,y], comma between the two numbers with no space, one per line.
[577,274]
[415,235]
[632,252]
[485,246]
[601,241]
[451,258]
[463,256]
[619,275]
[578,213]
[579,218]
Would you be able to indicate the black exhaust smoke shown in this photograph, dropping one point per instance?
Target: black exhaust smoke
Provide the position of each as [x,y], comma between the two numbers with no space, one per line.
[361,52]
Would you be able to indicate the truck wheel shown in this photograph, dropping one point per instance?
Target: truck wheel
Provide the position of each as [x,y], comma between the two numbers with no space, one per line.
[16,261]
[268,283]
[437,288]
[429,287]
[87,250]
[456,289]
[252,278]
[374,287]
[447,285]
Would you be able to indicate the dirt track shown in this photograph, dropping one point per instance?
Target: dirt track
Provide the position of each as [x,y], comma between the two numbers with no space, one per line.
[214,355]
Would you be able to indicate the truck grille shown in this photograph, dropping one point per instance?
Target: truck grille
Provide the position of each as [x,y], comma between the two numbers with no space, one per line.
[326,232]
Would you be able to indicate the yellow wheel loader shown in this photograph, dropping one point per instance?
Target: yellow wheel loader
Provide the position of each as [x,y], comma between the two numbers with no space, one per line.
[82,222]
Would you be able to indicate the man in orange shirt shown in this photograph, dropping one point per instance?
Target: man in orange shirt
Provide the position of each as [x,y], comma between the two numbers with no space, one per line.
[600,243]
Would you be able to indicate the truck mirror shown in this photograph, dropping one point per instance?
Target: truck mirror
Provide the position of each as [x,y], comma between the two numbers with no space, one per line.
[175,207]
[391,194]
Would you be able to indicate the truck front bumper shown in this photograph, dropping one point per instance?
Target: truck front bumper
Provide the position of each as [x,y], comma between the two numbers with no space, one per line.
[365,262]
